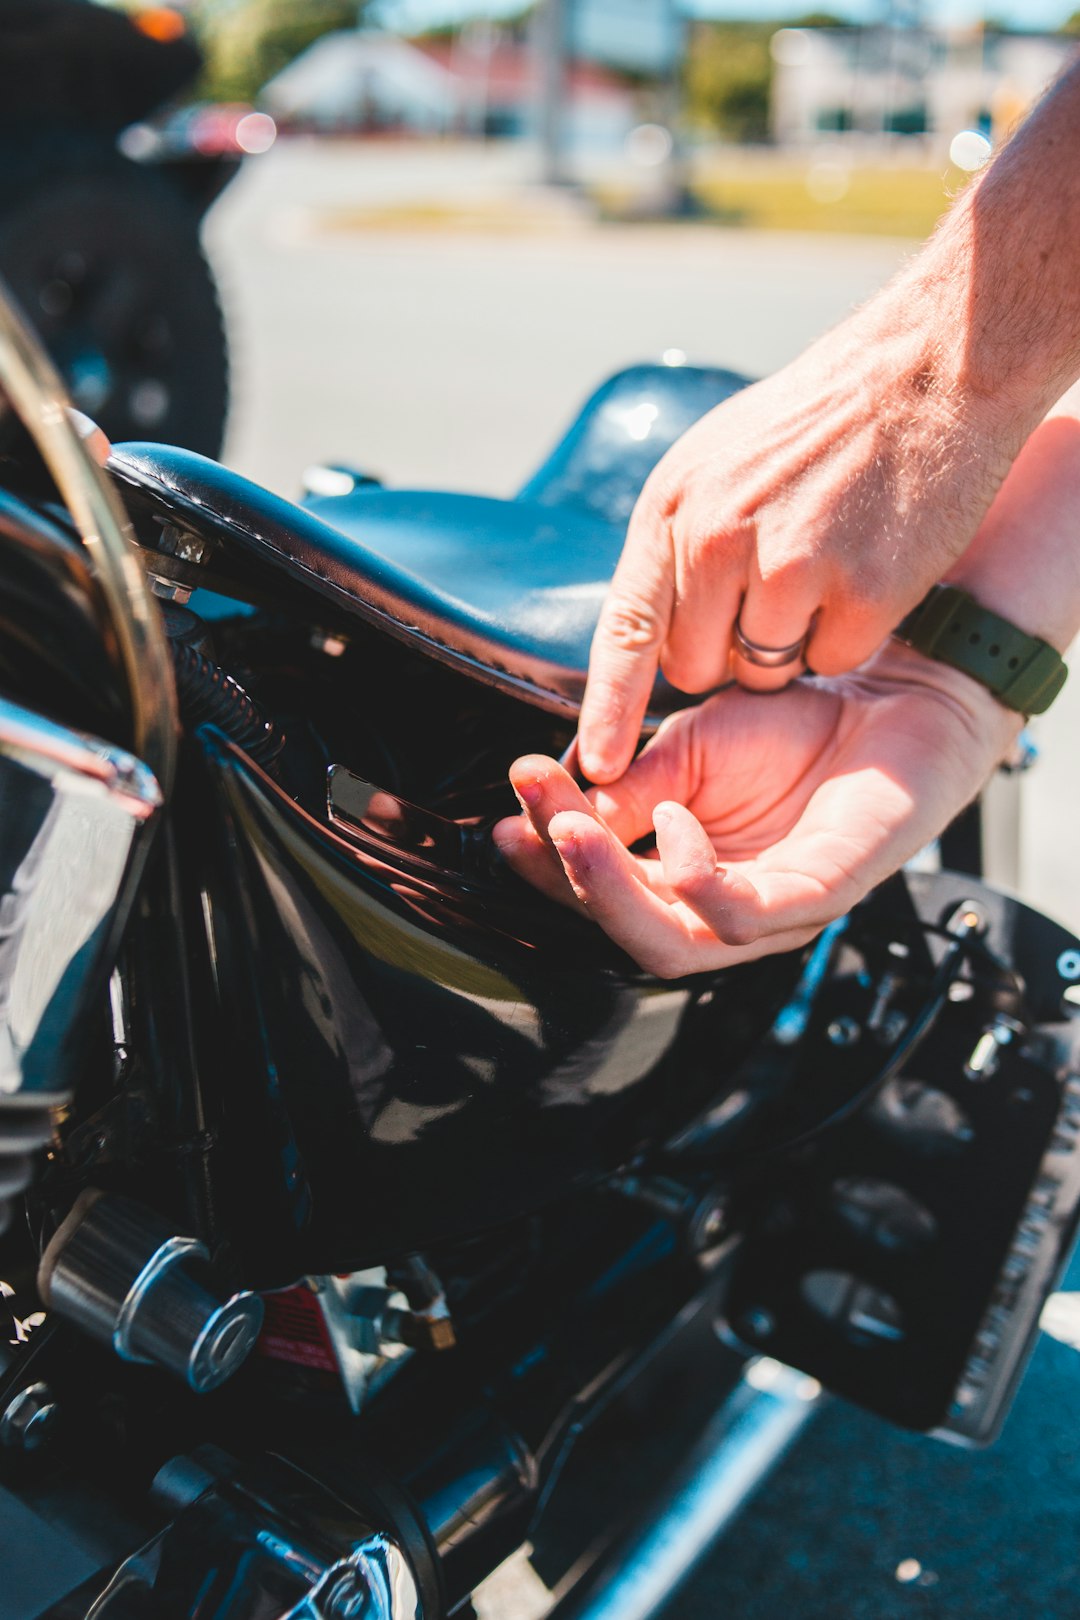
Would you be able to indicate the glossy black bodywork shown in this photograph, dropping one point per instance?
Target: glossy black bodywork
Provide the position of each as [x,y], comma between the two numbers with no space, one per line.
[412,1048]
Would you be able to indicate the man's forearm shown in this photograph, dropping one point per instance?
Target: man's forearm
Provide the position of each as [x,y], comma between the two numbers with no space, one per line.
[997,287]
[1024,563]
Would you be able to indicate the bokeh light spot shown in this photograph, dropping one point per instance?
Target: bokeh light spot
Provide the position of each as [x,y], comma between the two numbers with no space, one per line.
[970,149]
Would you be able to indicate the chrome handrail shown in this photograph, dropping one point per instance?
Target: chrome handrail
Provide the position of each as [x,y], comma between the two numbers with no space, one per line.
[31,383]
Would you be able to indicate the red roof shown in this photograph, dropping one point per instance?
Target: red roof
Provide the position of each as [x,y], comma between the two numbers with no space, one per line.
[508,72]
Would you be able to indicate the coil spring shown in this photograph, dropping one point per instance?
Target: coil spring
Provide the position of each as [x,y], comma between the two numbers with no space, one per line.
[208,695]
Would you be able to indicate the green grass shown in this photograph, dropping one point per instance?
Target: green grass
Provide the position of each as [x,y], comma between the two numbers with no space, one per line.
[782,194]
[756,189]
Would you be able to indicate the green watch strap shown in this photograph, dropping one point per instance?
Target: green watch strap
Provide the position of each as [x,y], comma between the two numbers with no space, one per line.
[1023,672]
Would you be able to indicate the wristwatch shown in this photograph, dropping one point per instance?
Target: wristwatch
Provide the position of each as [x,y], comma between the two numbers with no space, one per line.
[1023,672]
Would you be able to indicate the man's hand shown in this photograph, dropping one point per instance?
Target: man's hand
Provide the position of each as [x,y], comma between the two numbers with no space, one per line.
[773,814]
[776,812]
[825,501]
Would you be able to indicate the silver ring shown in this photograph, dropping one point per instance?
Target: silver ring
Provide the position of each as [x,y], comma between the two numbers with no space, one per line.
[767,657]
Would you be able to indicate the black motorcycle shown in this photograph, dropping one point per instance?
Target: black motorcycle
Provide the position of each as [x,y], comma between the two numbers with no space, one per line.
[352,1183]
[100,215]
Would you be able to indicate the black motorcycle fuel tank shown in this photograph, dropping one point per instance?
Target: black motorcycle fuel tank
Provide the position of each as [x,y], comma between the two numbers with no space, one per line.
[405,1045]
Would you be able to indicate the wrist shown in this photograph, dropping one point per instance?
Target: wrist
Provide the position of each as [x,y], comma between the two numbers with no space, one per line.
[1024,562]
[997,726]
[1024,672]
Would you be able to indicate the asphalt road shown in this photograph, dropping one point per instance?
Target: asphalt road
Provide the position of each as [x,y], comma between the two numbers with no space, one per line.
[452,357]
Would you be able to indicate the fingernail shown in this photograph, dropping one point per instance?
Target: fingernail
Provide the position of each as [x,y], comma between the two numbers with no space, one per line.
[530,793]
[567,844]
[661,815]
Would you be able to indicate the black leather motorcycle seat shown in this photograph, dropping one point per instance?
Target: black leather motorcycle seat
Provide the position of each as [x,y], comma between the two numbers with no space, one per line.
[620,433]
[508,591]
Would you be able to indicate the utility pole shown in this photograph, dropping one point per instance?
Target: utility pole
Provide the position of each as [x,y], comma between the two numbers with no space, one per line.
[904,20]
[549,57]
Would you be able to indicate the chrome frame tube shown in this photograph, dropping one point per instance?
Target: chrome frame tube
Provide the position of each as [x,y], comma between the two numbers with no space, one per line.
[739,1449]
[31,383]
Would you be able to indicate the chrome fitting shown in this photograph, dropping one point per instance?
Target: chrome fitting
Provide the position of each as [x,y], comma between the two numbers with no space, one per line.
[116,1270]
[986,1057]
[29,1419]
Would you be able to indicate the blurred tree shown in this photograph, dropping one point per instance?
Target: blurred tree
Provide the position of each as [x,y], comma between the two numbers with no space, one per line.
[1071,25]
[248,41]
[727,76]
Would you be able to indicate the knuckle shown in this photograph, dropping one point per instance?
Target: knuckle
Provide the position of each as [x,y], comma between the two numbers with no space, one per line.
[740,930]
[631,626]
[685,669]
[692,880]
[661,492]
[755,679]
[790,571]
[605,719]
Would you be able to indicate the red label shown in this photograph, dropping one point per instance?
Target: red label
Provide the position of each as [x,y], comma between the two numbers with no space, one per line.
[294,1330]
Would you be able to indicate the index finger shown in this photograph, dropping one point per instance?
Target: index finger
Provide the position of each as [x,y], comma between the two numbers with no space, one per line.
[625,653]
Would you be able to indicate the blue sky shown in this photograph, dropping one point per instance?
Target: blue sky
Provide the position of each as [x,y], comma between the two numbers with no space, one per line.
[1021,13]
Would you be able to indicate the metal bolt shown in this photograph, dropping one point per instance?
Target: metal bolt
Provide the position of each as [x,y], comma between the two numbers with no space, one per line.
[892,1027]
[168,590]
[843,1031]
[1068,965]
[183,544]
[325,641]
[708,1226]
[985,1060]
[888,987]
[29,1418]
[966,919]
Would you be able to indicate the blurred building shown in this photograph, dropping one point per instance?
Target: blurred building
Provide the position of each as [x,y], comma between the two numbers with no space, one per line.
[479,82]
[361,80]
[867,82]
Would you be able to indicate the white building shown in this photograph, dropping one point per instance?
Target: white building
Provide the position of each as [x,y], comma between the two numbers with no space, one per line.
[362,79]
[863,83]
[478,83]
